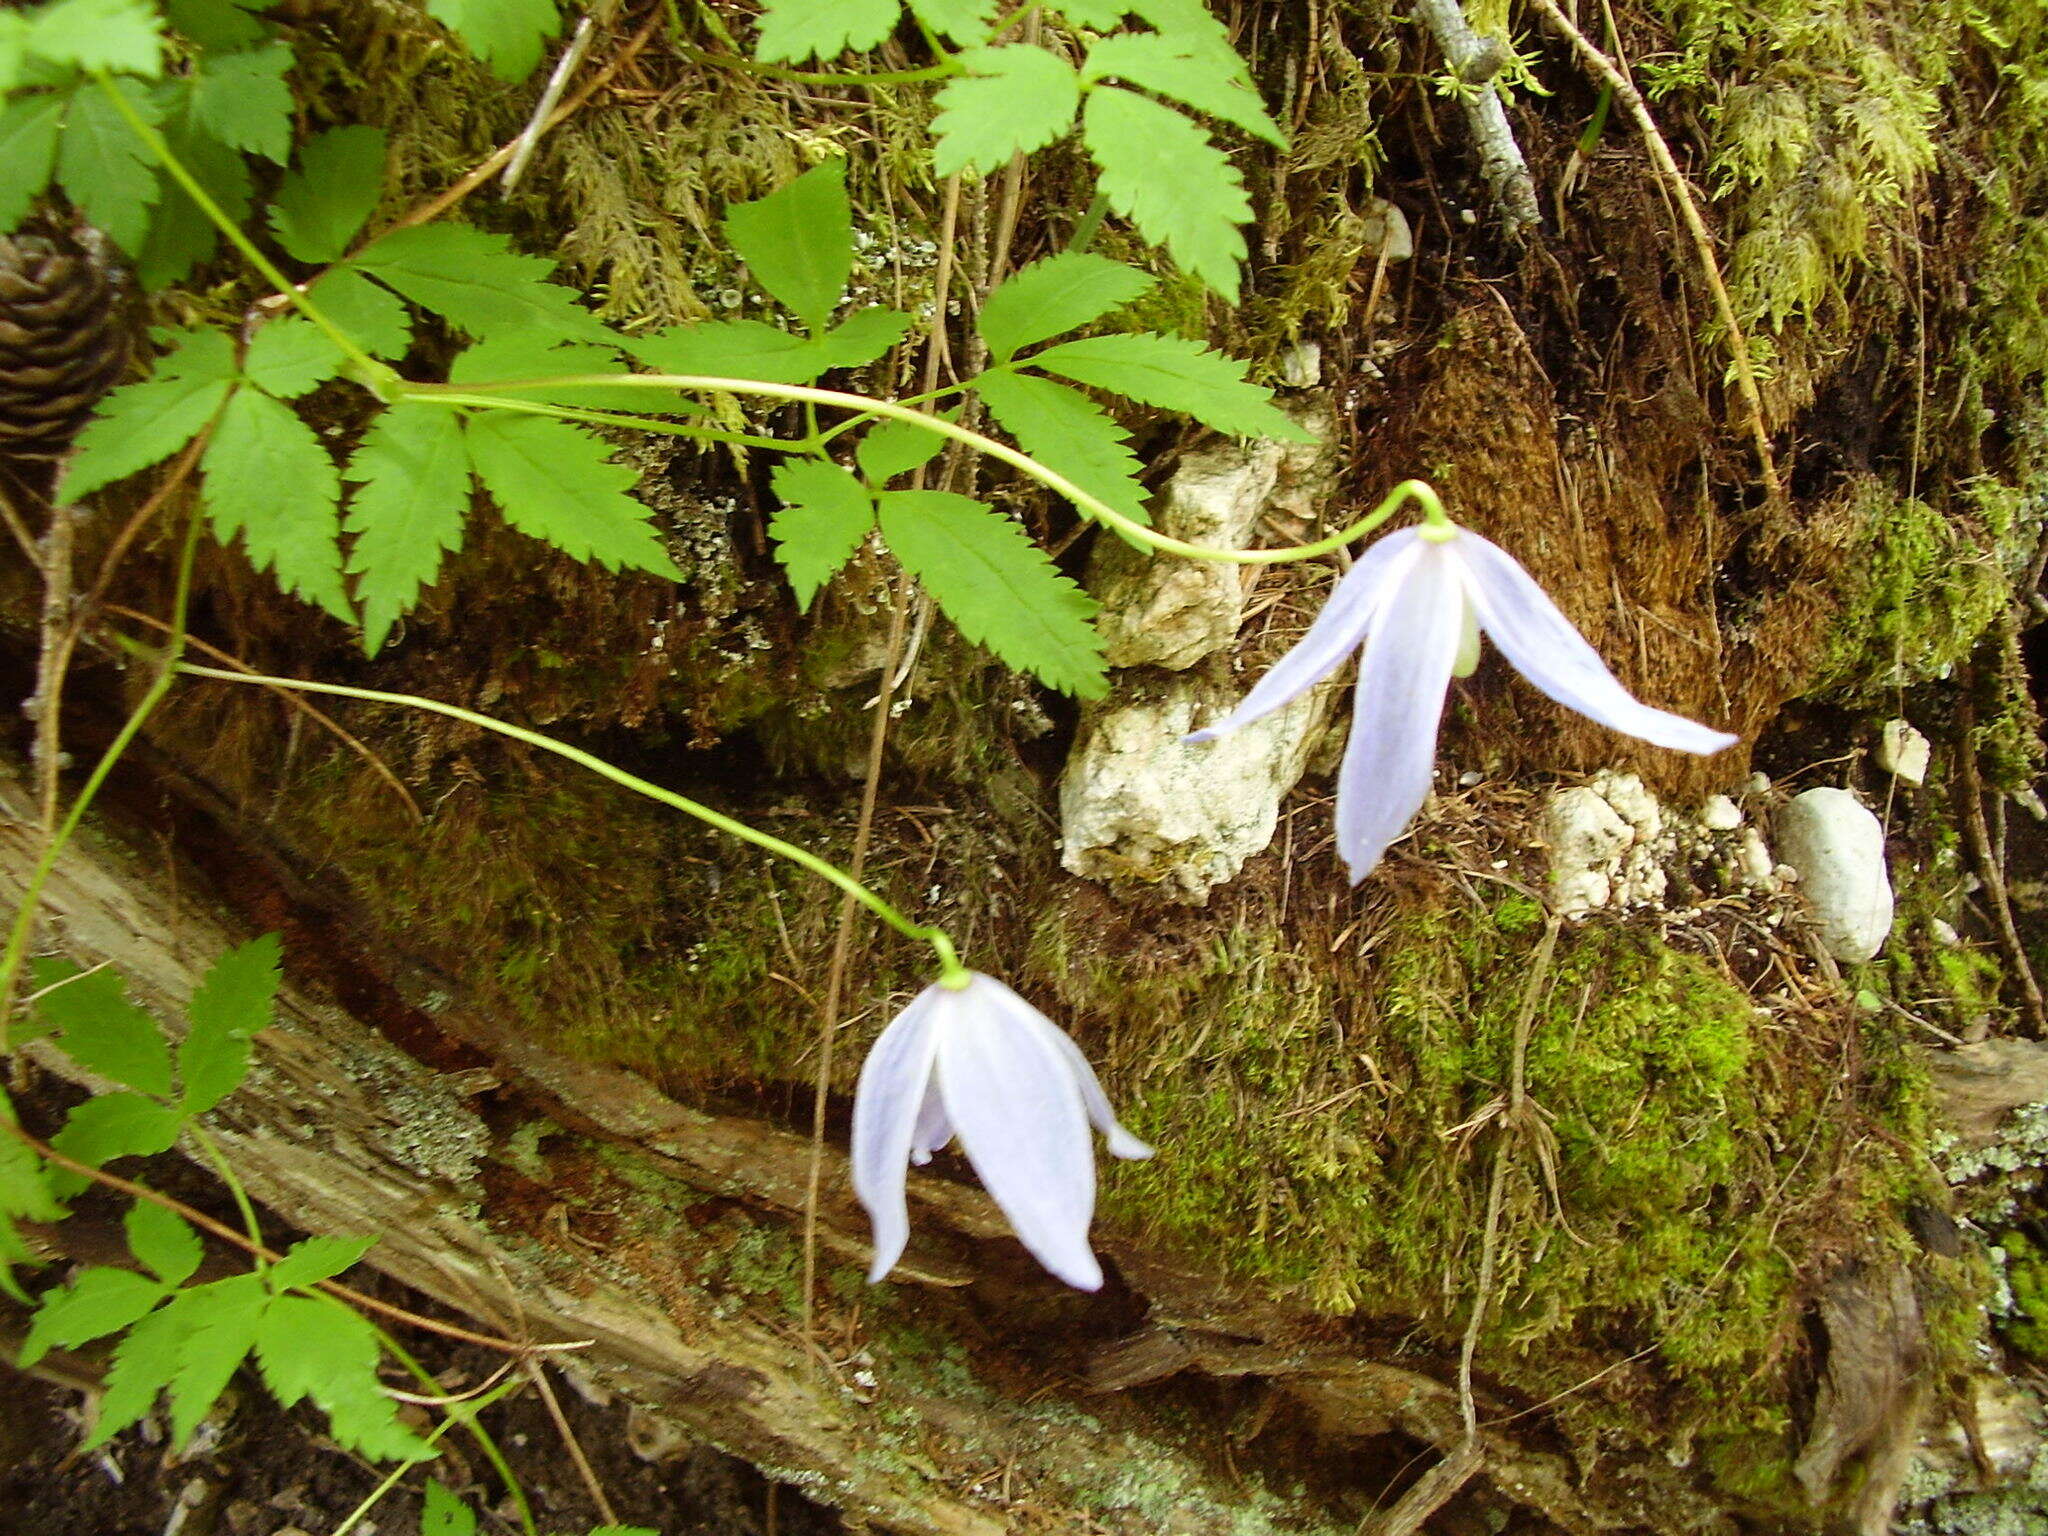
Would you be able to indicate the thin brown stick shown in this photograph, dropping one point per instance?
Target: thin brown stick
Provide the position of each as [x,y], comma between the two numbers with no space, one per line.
[228,1234]
[584,1470]
[1990,870]
[53,661]
[19,529]
[1605,70]
[298,701]
[1432,1490]
[180,471]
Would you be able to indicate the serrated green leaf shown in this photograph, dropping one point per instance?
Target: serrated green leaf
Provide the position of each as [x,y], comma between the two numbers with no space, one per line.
[163,1242]
[14,1252]
[232,1003]
[409,510]
[865,336]
[144,1362]
[508,35]
[103,168]
[1160,171]
[445,1514]
[325,202]
[733,349]
[824,516]
[119,36]
[373,316]
[110,1126]
[221,1322]
[557,483]
[312,1347]
[999,589]
[479,283]
[97,1303]
[1065,432]
[1176,375]
[503,360]
[892,448]
[103,1031]
[290,356]
[964,21]
[791,31]
[243,99]
[140,424]
[1187,72]
[269,479]
[798,241]
[28,153]
[181,236]
[1054,295]
[1097,15]
[314,1259]
[1013,99]
[217,26]
[24,1187]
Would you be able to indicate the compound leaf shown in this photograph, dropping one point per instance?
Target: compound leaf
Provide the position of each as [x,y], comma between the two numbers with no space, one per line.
[732,349]
[139,424]
[409,509]
[28,153]
[1054,295]
[791,31]
[865,336]
[97,1303]
[269,479]
[500,361]
[324,202]
[103,167]
[444,1514]
[217,26]
[110,1126]
[508,35]
[180,234]
[220,1323]
[103,1031]
[557,483]
[290,356]
[231,1004]
[1000,589]
[144,1362]
[892,448]
[119,36]
[374,316]
[312,1347]
[964,21]
[314,1259]
[241,98]
[798,241]
[14,1252]
[1013,99]
[824,516]
[24,1186]
[1160,171]
[163,1242]
[1176,375]
[1068,434]
[476,281]
[1188,72]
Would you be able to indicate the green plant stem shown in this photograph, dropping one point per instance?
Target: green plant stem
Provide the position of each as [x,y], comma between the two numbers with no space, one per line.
[942,944]
[820,439]
[1419,491]
[595,418]
[24,917]
[940,71]
[467,1416]
[1091,221]
[391,1480]
[226,1171]
[371,373]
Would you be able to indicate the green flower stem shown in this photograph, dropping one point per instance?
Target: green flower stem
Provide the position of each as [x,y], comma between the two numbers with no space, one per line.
[465,1414]
[937,938]
[226,1170]
[1408,490]
[451,396]
[821,439]
[749,66]
[24,917]
[372,374]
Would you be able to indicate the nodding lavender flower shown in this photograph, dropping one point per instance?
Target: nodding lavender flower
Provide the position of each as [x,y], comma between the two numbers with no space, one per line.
[970,1058]
[1418,600]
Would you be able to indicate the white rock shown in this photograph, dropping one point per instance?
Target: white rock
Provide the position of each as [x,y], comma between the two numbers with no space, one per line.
[1944,932]
[1903,753]
[1140,807]
[1640,879]
[1838,848]
[1301,365]
[1757,784]
[1753,859]
[1720,814]
[1586,838]
[1386,230]
[1471,778]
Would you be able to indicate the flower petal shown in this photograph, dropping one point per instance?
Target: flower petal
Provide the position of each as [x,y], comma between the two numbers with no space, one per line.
[934,1130]
[1012,1098]
[1121,1142]
[1401,683]
[1520,618]
[1338,630]
[886,1112]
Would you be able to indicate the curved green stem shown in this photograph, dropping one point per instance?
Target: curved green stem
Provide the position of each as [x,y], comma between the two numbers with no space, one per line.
[824,869]
[477,399]
[1408,490]
[749,66]
[25,915]
[468,1419]
[226,1170]
[371,373]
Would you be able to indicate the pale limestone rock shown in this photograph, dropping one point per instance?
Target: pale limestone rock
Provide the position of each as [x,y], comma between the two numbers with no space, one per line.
[1720,814]
[1903,753]
[1640,880]
[1586,838]
[1386,230]
[1838,848]
[1138,806]
[1170,613]
[1753,859]
[1301,365]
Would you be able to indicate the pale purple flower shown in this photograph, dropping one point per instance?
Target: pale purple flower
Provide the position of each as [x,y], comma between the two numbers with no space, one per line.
[978,1062]
[1418,601]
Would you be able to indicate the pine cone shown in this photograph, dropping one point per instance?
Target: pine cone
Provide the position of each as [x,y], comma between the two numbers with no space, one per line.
[64,340]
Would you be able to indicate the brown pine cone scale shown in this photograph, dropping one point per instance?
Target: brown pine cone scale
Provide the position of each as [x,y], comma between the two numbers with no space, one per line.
[63,342]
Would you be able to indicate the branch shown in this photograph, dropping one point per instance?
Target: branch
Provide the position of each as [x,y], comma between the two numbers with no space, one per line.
[1475,61]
